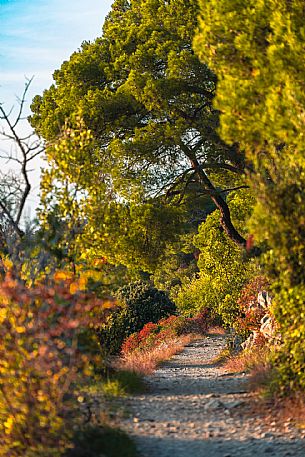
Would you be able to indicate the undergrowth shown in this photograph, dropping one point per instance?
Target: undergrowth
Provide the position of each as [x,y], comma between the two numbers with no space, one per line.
[146,361]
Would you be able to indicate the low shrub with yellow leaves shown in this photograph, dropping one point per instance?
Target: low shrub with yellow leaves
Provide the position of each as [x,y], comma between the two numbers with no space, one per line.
[43,357]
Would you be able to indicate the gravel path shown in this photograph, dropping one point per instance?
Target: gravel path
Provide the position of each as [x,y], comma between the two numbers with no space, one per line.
[195,408]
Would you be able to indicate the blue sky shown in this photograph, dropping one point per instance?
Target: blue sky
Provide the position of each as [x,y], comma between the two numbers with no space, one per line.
[36,36]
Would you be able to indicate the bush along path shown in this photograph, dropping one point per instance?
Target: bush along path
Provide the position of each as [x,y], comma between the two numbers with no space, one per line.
[195,407]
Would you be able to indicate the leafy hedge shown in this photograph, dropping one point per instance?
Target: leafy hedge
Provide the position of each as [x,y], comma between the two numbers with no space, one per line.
[254,48]
[142,303]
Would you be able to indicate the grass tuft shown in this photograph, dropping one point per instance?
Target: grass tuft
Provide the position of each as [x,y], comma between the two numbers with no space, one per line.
[122,382]
[255,360]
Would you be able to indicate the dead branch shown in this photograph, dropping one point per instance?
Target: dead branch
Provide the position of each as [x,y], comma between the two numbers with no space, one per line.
[26,148]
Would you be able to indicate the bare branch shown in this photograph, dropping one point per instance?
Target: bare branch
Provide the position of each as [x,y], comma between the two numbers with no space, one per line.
[22,101]
[26,149]
[11,220]
[221,166]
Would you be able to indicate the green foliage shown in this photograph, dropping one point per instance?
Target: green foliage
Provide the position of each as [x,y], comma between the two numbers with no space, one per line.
[135,234]
[142,303]
[222,269]
[256,50]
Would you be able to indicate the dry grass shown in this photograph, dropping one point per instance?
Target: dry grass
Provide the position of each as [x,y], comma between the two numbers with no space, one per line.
[283,411]
[216,331]
[255,360]
[145,362]
[292,409]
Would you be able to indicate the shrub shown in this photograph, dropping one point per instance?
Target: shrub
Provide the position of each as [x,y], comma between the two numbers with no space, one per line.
[151,335]
[142,303]
[223,270]
[197,324]
[147,302]
[144,362]
[269,127]
[41,360]
[154,335]
[250,313]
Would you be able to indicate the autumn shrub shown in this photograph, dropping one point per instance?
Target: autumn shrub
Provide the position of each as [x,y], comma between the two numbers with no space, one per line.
[145,359]
[251,313]
[150,336]
[141,303]
[168,329]
[44,354]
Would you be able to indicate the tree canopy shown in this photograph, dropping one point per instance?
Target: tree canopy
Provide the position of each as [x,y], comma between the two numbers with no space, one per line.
[147,101]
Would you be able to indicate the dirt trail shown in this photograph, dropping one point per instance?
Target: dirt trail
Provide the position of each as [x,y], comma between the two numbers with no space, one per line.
[195,408]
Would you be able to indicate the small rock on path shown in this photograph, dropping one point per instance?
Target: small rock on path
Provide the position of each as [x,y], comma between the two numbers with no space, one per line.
[195,408]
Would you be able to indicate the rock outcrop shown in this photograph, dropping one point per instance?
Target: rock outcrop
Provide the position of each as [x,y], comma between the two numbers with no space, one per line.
[268,329]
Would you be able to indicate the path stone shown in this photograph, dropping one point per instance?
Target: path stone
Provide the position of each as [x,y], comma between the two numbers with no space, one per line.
[194,408]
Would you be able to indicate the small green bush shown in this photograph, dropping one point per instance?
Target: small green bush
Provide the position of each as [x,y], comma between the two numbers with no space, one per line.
[142,303]
[223,270]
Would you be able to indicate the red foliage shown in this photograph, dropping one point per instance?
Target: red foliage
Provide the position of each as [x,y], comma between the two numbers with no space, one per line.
[251,312]
[147,330]
[130,344]
[153,335]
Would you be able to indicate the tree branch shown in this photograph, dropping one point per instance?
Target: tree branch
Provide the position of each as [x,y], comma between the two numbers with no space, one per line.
[220,203]
[26,149]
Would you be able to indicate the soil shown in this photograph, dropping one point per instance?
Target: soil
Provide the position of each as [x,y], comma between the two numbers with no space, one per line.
[194,407]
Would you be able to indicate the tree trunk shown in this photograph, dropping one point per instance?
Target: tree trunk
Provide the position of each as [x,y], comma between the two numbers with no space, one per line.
[221,204]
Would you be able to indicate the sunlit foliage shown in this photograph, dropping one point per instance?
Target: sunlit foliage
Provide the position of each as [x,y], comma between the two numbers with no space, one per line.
[256,49]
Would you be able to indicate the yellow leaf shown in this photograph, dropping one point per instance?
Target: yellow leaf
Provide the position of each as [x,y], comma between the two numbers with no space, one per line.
[62,275]
[20,329]
[74,287]
[8,424]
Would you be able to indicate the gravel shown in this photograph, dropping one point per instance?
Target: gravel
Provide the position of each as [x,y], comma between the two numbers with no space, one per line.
[193,407]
